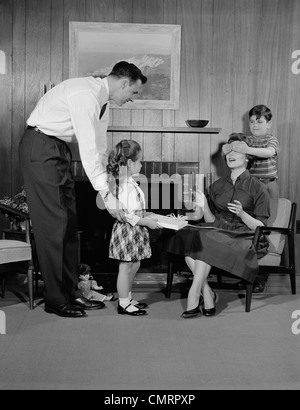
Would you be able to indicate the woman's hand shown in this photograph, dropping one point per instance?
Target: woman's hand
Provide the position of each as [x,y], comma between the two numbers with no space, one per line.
[236,208]
[200,199]
[248,220]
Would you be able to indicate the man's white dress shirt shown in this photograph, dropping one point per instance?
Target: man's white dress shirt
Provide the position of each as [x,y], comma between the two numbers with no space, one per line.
[71,112]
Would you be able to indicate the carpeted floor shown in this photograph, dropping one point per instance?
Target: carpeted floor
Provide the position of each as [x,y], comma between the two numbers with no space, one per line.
[233,350]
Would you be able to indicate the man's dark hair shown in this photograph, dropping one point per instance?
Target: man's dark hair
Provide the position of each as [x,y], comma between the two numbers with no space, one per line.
[129,70]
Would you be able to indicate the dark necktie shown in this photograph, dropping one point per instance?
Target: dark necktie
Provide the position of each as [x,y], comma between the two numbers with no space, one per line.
[102,111]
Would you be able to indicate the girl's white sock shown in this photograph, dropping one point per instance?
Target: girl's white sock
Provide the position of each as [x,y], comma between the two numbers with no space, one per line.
[132,301]
[124,302]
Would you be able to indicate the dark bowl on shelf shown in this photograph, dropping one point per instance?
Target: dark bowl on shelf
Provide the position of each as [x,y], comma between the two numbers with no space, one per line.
[197,123]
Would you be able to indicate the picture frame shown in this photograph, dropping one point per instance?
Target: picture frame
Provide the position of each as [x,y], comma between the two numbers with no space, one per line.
[155,48]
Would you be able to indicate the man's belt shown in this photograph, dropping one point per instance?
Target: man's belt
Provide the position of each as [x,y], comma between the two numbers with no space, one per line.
[33,128]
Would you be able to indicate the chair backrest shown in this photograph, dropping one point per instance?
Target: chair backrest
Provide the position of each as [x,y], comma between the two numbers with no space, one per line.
[279,217]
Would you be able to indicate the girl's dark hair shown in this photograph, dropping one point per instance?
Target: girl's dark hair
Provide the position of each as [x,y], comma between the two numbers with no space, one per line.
[261,111]
[238,136]
[119,156]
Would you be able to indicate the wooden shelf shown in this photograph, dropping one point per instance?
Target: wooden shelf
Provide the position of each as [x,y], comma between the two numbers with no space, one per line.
[181,130]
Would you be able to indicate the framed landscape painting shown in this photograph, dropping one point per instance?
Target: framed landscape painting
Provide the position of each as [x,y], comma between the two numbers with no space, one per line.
[95,48]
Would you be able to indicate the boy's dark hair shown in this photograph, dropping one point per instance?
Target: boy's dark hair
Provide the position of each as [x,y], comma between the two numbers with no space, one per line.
[129,70]
[261,111]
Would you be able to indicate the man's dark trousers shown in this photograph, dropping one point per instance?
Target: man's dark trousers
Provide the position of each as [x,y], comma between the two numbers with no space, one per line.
[50,189]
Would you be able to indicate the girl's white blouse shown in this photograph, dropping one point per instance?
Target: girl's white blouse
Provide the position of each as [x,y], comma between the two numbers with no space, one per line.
[133,199]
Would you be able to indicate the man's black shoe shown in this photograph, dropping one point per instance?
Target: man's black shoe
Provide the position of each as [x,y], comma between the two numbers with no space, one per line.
[65,310]
[241,285]
[258,287]
[88,304]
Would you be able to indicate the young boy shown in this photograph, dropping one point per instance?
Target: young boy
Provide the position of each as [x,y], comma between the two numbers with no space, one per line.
[264,147]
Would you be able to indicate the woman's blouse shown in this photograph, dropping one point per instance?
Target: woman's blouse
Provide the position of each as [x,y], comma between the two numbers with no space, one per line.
[249,191]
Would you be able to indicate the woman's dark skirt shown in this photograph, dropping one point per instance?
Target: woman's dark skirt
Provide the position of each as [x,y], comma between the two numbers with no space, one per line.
[231,251]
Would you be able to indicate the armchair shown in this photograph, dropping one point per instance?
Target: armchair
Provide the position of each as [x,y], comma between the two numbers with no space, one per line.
[16,255]
[281,236]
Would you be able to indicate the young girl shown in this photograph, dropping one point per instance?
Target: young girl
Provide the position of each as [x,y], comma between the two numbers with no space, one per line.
[130,241]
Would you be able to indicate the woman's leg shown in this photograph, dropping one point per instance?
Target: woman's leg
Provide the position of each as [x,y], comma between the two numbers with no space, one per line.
[208,296]
[200,271]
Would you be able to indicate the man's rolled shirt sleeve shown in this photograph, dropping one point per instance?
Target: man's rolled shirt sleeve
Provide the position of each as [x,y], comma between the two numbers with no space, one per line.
[91,135]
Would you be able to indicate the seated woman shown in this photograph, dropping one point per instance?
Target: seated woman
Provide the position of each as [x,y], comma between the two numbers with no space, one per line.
[236,205]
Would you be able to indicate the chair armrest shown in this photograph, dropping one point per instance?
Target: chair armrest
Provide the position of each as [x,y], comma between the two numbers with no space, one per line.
[13,212]
[268,230]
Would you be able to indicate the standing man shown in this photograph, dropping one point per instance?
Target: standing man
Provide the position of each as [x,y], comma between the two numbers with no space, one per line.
[75,110]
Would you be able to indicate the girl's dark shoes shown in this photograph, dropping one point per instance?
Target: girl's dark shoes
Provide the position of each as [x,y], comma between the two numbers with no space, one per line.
[125,311]
[188,314]
[140,305]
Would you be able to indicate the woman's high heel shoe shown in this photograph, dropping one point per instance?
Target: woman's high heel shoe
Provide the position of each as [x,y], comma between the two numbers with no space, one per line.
[209,312]
[188,314]
[212,311]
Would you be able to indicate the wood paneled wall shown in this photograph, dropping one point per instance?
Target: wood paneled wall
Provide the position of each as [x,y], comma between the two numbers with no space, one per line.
[235,54]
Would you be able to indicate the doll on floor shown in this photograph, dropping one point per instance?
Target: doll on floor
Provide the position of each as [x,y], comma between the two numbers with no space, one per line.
[89,287]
